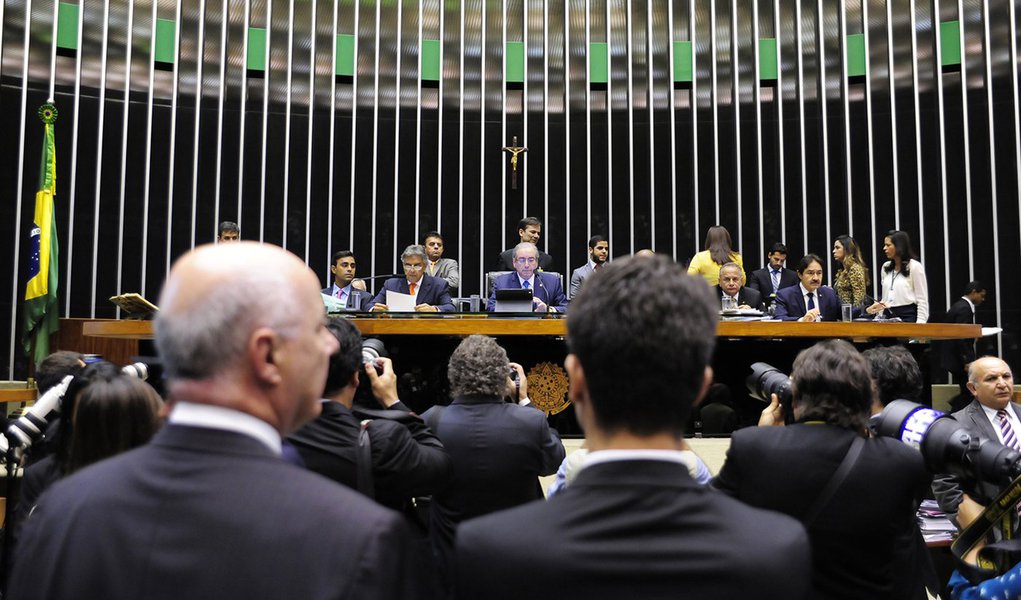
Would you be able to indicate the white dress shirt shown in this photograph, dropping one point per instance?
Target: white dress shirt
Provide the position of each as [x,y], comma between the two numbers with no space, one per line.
[994,420]
[218,417]
[899,290]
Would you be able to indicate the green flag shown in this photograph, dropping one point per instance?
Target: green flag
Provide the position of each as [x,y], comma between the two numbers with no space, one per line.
[41,318]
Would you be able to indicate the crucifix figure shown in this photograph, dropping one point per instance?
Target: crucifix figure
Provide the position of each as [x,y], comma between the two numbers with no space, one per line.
[514,150]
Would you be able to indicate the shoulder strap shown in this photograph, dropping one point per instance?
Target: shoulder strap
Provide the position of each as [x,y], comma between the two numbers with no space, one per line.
[838,478]
[366,483]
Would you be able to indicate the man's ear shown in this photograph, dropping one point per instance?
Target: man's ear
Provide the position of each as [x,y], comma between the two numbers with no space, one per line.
[577,391]
[355,381]
[972,387]
[333,269]
[707,380]
[261,347]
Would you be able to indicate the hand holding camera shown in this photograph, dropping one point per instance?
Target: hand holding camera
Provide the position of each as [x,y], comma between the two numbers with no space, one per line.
[383,381]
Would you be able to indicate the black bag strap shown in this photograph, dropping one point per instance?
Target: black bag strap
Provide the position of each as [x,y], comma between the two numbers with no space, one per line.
[363,468]
[853,452]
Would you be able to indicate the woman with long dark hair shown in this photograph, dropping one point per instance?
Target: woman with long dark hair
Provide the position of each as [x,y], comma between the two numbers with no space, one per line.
[905,290]
[719,250]
[852,277]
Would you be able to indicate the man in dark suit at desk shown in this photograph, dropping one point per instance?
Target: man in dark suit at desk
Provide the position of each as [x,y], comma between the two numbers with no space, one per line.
[547,291]
[774,276]
[344,282]
[431,294]
[730,286]
[633,523]
[208,509]
[810,300]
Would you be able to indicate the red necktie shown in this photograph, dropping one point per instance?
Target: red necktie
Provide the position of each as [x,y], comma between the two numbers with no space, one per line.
[411,286]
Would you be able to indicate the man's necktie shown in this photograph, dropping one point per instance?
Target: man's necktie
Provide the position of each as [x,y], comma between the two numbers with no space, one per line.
[411,287]
[776,280]
[596,266]
[432,268]
[1009,437]
[811,301]
[525,284]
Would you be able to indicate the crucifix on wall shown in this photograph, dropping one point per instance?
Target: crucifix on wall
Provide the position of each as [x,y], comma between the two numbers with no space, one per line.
[514,150]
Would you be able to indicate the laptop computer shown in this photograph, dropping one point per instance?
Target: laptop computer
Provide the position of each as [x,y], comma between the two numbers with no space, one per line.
[513,301]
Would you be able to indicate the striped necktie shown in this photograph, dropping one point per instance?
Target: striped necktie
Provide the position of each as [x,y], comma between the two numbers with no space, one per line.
[1009,437]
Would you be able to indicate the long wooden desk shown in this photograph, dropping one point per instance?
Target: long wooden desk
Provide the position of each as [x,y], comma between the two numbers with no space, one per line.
[462,325]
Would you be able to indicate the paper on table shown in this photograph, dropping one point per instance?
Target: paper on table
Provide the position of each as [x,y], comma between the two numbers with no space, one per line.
[399,302]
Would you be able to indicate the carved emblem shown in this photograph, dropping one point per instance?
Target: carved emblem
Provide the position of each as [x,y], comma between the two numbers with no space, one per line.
[547,387]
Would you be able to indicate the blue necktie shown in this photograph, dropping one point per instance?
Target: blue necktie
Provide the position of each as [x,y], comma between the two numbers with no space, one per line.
[776,280]
[524,284]
[811,300]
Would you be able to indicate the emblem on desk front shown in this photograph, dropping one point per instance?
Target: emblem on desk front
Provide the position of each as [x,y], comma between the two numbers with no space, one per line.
[547,387]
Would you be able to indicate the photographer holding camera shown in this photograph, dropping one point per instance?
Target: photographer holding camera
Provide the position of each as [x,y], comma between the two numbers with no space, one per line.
[856,495]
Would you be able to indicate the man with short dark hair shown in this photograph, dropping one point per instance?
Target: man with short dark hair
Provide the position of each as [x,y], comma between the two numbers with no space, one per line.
[444,268]
[228,231]
[343,268]
[208,509]
[529,230]
[633,523]
[896,374]
[774,276]
[598,254]
[955,355]
[744,298]
[810,301]
[406,459]
[547,291]
[430,293]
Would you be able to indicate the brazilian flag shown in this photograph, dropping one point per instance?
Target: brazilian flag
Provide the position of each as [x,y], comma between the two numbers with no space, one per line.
[41,315]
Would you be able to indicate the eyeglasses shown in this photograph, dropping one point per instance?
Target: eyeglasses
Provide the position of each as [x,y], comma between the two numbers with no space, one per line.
[525,260]
[417,267]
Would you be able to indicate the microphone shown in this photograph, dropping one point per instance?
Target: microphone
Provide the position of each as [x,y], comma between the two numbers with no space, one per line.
[388,276]
[546,293]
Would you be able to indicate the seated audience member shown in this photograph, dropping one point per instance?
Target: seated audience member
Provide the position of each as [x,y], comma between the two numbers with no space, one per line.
[499,449]
[774,276]
[992,415]
[852,276]
[430,293]
[228,231]
[529,230]
[406,458]
[810,300]
[547,291]
[344,282]
[598,253]
[444,268]
[730,287]
[207,509]
[51,371]
[633,523]
[719,250]
[857,528]
[107,413]
[896,374]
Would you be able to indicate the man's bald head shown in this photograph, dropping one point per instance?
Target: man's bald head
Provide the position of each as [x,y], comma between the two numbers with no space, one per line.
[217,295]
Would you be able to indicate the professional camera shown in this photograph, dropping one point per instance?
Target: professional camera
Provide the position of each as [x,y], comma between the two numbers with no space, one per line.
[27,428]
[372,349]
[767,380]
[946,446]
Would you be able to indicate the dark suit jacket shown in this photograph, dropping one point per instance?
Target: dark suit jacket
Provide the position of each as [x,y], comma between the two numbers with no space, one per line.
[499,451]
[760,280]
[205,513]
[955,354]
[366,303]
[790,304]
[633,529]
[745,296]
[407,459]
[433,291]
[948,488]
[859,536]
[506,261]
[551,291]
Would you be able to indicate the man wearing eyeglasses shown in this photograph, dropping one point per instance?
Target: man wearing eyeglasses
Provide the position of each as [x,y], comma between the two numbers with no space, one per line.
[547,291]
[430,293]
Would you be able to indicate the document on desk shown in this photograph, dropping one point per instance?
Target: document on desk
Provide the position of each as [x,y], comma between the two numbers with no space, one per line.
[398,302]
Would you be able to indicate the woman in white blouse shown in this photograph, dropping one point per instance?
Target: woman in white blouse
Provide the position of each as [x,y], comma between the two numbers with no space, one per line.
[905,292]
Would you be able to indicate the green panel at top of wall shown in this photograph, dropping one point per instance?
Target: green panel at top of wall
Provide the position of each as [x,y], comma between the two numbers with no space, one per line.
[345,54]
[163,46]
[67,26]
[256,60]
[682,62]
[855,54]
[430,60]
[514,62]
[599,58]
[767,59]
[950,43]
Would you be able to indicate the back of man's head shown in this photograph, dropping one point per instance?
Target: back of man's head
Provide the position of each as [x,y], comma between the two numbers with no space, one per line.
[832,382]
[643,331]
[346,361]
[895,373]
[478,367]
[55,367]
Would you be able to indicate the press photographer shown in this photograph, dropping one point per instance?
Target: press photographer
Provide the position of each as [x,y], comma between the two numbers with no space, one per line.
[856,495]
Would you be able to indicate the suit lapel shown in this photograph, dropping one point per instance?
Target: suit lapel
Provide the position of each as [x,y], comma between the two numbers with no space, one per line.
[978,418]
